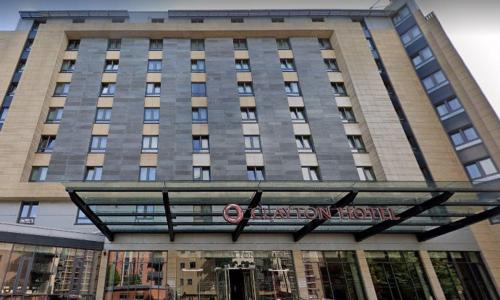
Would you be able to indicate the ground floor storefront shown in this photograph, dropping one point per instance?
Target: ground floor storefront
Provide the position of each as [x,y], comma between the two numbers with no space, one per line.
[40,272]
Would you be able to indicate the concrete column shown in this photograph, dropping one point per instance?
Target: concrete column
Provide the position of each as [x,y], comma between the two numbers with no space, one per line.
[366,276]
[431,275]
[300,273]
[101,277]
[172,269]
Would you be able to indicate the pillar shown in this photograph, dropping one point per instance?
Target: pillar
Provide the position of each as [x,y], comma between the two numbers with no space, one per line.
[366,276]
[431,275]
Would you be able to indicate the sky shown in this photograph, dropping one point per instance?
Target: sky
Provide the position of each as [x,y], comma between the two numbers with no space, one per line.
[472,25]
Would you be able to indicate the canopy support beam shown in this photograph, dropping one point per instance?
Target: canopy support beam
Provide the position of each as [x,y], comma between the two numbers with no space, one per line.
[444,229]
[309,227]
[257,196]
[405,215]
[168,215]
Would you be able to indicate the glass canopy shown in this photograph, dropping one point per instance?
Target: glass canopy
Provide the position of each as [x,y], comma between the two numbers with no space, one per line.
[294,207]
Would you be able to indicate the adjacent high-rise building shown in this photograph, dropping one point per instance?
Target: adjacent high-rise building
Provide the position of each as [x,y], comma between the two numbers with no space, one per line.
[244,154]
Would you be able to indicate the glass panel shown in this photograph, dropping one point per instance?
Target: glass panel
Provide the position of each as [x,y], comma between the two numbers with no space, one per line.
[488,166]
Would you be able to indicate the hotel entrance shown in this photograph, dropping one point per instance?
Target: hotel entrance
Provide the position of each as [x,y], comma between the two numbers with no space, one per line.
[236,275]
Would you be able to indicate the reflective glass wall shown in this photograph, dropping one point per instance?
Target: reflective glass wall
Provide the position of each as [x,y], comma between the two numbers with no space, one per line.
[463,275]
[236,275]
[398,275]
[332,275]
[138,275]
[38,272]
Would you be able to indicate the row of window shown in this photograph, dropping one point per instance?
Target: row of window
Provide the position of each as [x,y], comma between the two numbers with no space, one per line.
[199,44]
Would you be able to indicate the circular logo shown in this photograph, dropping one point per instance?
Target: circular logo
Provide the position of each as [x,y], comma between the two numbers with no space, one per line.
[231,218]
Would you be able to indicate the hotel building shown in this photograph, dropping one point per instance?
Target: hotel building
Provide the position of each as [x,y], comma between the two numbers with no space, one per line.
[244,154]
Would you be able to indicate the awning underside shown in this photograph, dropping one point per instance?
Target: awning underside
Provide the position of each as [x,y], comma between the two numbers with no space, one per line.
[363,209]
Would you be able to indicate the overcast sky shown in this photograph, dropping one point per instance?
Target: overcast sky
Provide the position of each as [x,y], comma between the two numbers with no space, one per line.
[472,25]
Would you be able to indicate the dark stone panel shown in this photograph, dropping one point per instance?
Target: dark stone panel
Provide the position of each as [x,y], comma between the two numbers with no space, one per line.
[227,152]
[125,132]
[473,153]
[428,69]
[406,25]
[72,144]
[175,147]
[38,240]
[416,46]
[456,122]
[279,149]
[330,142]
[441,94]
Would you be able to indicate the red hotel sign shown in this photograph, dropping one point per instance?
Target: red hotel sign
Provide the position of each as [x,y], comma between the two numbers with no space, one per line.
[233,213]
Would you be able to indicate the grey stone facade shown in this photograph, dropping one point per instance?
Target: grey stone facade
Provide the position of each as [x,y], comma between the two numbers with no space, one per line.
[125,133]
[72,144]
[227,149]
[175,143]
[332,149]
[281,159]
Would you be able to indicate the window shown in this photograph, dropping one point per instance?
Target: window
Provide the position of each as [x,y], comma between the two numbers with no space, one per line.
[449,108]
[304,143]
[248,114]
[78,21]
[201,173]
[111,66]
[3,115]
[156,45]
[197,20]
[154,65]
[317,19]
[144,210]
[12,89]
[199,115]
[252,143]
[151,115]
[283,44]
[153,89]
[197,45]
[347,115]
[103,115]
[39,174]
[411,35]
[422,57]
[292,88]
[198,89]
[157,20]
[81,218]
[27,213]
[114,44]
[240,44]
[481,168]
[401,15]
[237,20]
[242,65]
[245,88]
[108,89]
[331,65]
[117,20]
[93,174]
[324,44]
[366,173]
[147,173]
[339,89]
[277,20]
[47,143]
[68,66]
[255,173]
[198,65]
[73,45]
[297,114]
[62,89]
[22,65]
[150,143]
[434,81]
[287,65]
[190,281]
[55,115]
[310,173]
[98,143]
[200,143]
[356,143]
[463,136]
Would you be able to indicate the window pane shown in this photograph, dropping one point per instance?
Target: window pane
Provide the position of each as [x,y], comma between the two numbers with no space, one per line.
[457,139]
[473,171]
[470,134]
[442,109]
[454,104]
[488,166]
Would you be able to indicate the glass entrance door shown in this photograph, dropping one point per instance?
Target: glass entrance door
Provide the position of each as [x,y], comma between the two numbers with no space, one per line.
[235,284]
